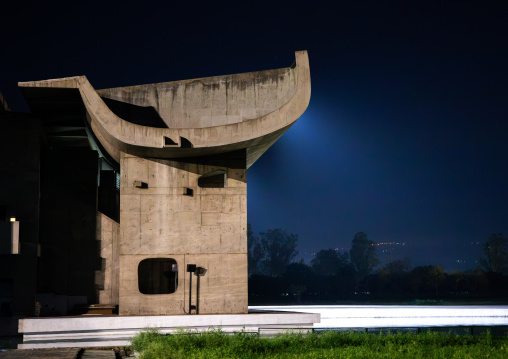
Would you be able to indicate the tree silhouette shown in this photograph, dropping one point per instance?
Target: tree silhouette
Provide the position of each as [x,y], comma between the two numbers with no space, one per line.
[279,248]
[398,266]
[299,277]
[495,255]
[363,255]
[328,261]
[255,251]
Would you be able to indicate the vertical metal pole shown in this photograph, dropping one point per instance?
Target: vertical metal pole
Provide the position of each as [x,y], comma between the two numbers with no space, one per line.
[197,295]
[190,292]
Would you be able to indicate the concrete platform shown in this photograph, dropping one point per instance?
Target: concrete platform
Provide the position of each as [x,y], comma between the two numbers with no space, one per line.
[105,331]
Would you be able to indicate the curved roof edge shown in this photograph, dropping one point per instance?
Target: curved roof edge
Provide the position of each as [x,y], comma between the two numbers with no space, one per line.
[255,135]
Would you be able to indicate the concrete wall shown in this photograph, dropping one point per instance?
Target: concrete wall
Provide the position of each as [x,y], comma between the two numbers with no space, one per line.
[212,101]
[108,234]
[208,229]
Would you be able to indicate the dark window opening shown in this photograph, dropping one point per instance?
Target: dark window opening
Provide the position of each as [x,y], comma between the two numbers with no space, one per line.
[185,143]
[188,192]
[169,142]
[139,184]
[158,276]
[109,194]
[215,179]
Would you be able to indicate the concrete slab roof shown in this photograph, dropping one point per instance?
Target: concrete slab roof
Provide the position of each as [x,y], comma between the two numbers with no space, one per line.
[183,119]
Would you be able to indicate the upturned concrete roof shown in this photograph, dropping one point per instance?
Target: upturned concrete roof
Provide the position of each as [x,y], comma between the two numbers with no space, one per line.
[189,118]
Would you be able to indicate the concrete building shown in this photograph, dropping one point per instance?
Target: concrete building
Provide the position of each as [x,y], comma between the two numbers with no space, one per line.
[136,197]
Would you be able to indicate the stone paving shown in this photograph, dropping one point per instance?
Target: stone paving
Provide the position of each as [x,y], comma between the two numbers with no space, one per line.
[98,354]
[58,353]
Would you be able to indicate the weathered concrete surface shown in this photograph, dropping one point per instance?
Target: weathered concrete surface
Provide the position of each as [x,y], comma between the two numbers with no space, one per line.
[208,229]
[218,132]
[108,234]
[212,101]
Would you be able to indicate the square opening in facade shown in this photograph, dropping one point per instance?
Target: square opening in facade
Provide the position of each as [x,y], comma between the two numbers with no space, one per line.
[158,276]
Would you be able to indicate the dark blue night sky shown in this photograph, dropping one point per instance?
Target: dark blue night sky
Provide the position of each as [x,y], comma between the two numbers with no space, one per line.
[406,134]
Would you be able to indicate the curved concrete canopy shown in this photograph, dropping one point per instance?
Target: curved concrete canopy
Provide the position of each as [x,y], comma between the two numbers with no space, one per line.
[204,117]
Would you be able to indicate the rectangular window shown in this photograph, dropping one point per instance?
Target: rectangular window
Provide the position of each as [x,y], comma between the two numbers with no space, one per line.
[158,276]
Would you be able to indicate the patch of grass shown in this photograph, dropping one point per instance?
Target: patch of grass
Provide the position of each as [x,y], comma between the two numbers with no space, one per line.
[330,344]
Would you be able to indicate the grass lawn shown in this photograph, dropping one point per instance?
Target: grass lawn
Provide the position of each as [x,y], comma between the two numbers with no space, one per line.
[151,345]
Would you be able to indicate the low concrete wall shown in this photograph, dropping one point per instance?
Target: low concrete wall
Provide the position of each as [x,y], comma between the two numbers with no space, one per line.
[117,331]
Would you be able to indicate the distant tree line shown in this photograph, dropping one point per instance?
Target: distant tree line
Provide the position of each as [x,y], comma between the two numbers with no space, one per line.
[276,277]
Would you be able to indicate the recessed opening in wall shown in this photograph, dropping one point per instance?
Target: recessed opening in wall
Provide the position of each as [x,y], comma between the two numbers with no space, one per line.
[139,184]
[215,179]
[188,192]
[169,142]
[185,143]
[158,276]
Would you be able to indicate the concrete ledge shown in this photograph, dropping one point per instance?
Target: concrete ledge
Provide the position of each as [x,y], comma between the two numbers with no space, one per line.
[98,330]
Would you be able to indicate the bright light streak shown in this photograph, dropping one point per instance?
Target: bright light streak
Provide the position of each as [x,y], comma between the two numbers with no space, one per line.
[378,316]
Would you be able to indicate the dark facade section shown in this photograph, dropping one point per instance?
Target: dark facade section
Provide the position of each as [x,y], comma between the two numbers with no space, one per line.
[70,254]
[49,198]
[109,194]
[20,143]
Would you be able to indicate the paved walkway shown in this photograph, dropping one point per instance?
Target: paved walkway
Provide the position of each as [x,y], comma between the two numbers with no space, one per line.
[60,353]
[98,354]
